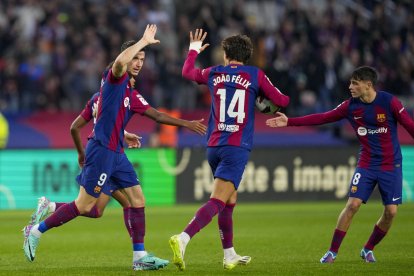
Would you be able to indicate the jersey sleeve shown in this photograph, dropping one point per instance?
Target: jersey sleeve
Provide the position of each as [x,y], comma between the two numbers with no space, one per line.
[87,112]
[333,115]
[194,74]
[113,80]
[270,91]
[138,103]
[402,116]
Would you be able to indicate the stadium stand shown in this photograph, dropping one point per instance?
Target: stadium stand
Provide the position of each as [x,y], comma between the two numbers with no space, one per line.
[52,54]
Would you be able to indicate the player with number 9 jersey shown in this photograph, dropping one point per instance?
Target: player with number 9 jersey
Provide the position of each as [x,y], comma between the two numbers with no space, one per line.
[105,159]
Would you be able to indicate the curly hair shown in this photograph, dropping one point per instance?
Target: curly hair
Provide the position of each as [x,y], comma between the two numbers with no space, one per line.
[238,47]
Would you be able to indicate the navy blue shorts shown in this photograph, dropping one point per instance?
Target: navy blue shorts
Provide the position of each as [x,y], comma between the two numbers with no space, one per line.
[105,170]
[228,162]
[389,183]
[107,189]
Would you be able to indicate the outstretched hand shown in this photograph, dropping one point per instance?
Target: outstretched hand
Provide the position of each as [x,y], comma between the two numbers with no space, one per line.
[132,140]
[279,121]
[196,41]
[197,127]
[149,34]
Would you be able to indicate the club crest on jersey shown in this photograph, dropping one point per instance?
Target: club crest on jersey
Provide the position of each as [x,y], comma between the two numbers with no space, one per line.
[354,189]
[97,189]
[381,117]
[126,102]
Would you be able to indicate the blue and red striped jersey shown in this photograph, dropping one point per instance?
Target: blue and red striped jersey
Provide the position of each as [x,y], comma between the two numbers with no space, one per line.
[87,112]
[233,89]
[117,103]
[375,125]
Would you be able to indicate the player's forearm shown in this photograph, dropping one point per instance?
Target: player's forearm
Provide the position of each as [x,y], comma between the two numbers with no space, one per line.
[313,119]
[279,99]
[189,72]
[129,53]
[76,138]
[272,92]
[163,118]
[75,128]
[120,64]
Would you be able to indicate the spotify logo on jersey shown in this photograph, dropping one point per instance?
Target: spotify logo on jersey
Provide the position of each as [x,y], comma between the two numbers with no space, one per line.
[362,131]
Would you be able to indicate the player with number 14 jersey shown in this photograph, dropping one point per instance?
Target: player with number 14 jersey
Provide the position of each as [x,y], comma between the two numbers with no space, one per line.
[233,88]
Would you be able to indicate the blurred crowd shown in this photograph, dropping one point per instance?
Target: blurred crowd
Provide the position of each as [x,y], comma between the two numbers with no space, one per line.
[52,53]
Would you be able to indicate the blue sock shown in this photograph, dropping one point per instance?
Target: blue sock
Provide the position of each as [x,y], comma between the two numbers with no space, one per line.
[43,227]
[138,247]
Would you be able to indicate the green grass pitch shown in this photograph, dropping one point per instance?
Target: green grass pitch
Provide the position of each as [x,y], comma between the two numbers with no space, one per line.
[282,239]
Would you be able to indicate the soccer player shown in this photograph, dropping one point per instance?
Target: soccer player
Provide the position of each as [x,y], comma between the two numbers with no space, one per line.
[105,157]
[233,89]
[46,207]
[374,116]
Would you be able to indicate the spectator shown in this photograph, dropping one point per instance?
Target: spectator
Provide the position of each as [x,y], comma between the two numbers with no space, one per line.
[64,39]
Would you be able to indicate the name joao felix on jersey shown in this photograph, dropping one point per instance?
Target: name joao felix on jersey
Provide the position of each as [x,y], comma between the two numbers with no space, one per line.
[231,78]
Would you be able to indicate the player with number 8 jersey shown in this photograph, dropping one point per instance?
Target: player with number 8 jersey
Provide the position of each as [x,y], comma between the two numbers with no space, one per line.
[374,116]
[233,89]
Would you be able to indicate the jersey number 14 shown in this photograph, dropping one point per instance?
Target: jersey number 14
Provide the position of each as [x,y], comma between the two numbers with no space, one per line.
[237,100]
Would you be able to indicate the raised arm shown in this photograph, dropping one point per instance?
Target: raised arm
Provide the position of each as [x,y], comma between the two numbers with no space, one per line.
[189,71]
[166,119]
[119,67]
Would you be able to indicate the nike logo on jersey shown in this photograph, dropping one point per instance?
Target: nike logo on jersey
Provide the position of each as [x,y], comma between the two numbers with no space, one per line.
[395,199]
[357,117]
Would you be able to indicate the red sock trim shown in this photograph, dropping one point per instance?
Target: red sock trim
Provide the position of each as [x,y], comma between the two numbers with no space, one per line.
[380,230]
[218,201]
[76,208]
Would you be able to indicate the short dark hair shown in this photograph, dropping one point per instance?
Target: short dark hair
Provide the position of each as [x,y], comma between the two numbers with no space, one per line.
[365,73]
[128,44]
[238,47]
